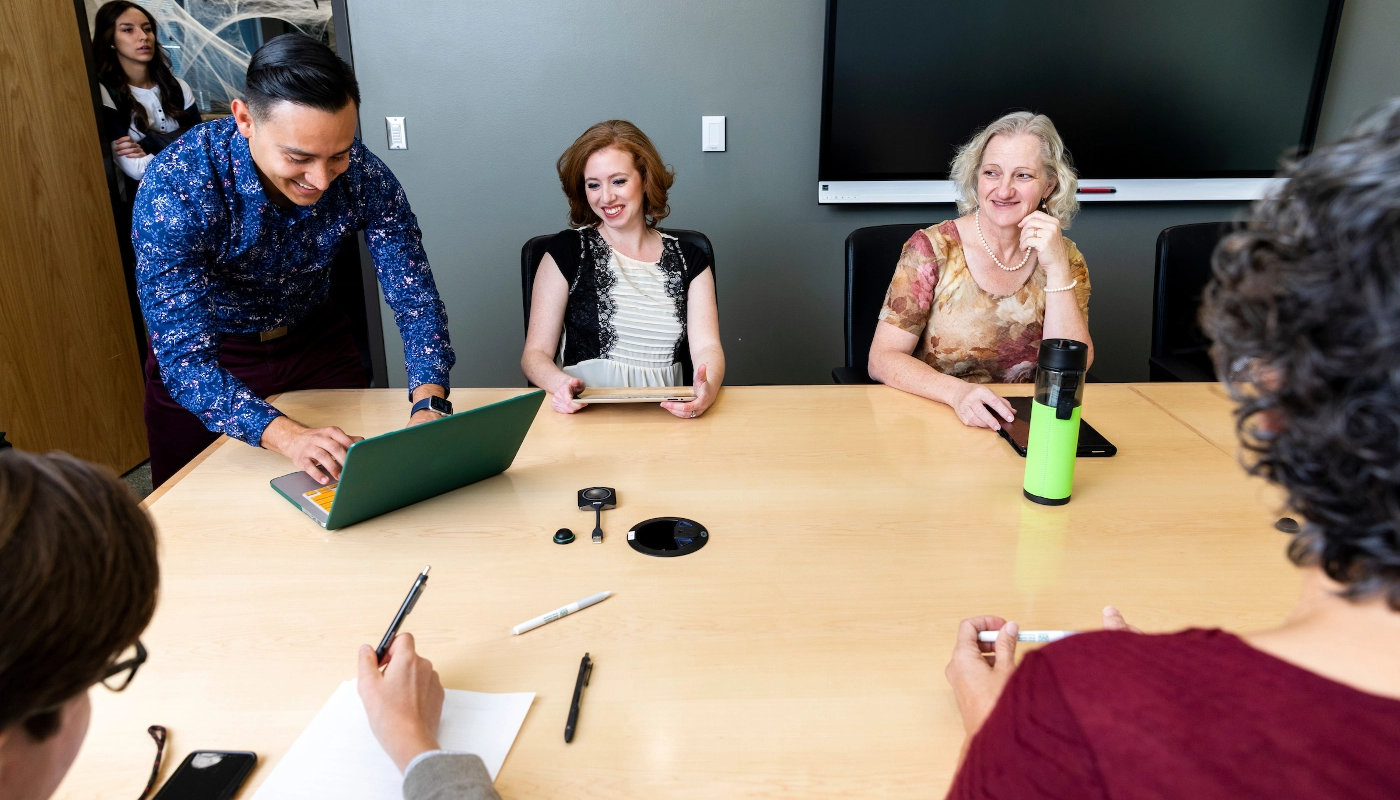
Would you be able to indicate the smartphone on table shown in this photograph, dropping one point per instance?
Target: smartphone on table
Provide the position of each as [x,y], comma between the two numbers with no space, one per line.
[209,775]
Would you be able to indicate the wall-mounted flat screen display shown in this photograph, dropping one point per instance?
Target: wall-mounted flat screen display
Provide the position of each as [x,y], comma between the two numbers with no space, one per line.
[1154,90]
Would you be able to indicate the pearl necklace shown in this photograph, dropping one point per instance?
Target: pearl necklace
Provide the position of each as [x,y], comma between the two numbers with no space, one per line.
[977,220]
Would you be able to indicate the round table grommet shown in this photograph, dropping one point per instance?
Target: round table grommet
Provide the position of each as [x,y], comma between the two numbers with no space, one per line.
[667,537]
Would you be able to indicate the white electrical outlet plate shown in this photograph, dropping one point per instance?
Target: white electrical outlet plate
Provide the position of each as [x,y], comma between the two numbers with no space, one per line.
[398,135]
[712,134]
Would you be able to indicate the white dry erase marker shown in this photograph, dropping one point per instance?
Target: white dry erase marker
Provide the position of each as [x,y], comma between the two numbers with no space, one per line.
[1028,636]
[559,613]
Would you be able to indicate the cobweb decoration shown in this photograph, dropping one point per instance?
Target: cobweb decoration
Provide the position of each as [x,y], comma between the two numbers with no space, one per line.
[206,44]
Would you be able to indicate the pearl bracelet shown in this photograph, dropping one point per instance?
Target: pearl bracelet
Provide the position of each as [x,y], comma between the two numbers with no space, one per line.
[1064,288]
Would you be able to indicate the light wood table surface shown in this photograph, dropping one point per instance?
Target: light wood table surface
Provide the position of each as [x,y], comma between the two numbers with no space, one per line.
[1203,407]
[799,654]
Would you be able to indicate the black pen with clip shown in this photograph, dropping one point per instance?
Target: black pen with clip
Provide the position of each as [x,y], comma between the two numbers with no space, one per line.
[585,669]
[404,610]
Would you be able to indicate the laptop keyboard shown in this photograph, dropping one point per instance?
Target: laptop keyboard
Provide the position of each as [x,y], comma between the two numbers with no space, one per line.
[323,496]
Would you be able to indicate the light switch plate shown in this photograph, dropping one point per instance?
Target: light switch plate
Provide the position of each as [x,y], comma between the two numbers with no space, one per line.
[712,134]
[398,135]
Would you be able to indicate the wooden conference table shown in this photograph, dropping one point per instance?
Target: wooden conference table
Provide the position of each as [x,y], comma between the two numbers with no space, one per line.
[800,654]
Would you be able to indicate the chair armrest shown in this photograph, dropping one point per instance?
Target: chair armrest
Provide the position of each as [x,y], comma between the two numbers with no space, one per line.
[850,376]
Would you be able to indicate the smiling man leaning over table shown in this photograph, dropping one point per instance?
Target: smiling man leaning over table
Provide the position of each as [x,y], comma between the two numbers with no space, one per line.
[235,229]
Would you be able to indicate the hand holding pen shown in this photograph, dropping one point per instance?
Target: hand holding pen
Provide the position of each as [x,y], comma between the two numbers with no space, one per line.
[401,691]
[403,699]
[985,656]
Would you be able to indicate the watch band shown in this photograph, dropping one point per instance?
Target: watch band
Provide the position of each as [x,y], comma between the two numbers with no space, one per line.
[438,405]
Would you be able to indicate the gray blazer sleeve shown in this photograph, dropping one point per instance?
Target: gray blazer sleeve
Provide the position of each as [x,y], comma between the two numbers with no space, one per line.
[449,776]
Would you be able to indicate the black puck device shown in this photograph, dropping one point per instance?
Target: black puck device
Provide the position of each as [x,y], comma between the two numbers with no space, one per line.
[597,498]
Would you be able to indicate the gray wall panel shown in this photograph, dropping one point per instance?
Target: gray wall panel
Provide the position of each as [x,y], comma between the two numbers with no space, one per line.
[1366,66]
[494,92]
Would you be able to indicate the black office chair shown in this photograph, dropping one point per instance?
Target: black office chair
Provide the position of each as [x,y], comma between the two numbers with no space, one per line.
[871,256]
[533,253]
[1180,350]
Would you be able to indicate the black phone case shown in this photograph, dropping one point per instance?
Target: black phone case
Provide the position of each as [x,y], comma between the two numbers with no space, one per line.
[218,782]
[1092,444]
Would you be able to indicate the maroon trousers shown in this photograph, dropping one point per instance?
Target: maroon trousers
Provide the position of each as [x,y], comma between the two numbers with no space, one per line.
[318,353]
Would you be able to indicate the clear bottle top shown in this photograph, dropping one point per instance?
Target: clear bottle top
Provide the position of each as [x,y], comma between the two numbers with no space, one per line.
[1059,375]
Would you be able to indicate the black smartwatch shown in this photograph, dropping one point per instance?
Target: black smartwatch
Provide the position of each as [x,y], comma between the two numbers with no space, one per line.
[438,405]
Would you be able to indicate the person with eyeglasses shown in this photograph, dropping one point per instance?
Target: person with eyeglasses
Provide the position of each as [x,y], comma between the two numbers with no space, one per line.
[80,582]
[79,586]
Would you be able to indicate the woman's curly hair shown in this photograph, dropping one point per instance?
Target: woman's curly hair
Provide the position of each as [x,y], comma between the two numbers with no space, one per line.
[1304,309]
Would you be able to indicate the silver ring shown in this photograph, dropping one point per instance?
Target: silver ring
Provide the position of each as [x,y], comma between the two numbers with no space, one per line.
[692,415]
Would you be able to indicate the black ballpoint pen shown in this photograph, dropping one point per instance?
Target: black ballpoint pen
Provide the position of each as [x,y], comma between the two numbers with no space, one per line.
[404,610]
[585,669]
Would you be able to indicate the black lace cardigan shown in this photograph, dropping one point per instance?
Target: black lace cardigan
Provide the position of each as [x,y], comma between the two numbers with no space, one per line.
[582,257]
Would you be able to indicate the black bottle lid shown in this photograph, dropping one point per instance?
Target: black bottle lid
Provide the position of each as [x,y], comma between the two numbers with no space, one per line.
[1063,355]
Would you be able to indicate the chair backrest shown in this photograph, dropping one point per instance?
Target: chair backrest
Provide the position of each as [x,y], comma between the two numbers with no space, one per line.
[533,253]
[530,257]
[871,256]
[1183,268]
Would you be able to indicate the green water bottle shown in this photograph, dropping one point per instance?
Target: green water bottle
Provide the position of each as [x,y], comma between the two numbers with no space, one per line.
[1054,436]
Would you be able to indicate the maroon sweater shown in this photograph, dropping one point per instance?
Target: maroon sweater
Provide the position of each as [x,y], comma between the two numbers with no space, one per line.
[1196,714]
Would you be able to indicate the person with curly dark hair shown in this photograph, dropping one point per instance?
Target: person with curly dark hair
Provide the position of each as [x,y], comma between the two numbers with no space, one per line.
[1304,310]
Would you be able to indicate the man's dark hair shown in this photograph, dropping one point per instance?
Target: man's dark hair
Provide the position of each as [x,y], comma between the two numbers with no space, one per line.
[1304,309]
[78,585]
[295,68]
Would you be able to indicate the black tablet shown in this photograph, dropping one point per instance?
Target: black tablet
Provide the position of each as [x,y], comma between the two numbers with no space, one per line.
[1091,442]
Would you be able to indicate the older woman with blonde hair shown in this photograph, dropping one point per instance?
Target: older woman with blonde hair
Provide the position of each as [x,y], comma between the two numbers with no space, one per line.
[972,297]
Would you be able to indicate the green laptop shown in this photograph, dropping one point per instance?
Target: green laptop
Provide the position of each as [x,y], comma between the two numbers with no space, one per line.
[402,467]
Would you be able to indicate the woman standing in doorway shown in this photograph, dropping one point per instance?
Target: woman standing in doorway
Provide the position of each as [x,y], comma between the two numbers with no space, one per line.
[133,71]
[139,116]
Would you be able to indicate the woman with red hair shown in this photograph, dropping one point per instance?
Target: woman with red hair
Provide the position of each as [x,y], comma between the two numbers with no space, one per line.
[618,302]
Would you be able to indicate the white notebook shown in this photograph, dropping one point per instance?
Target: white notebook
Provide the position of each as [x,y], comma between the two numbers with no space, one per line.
[337,755]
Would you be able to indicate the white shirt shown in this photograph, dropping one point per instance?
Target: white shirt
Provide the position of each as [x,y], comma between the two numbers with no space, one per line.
[647,328]
[159,121]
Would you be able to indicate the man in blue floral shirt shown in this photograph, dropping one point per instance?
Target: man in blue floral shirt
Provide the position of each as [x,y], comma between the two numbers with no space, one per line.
[235,228]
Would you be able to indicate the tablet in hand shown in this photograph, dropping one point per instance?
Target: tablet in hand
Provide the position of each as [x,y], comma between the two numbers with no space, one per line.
[638,394]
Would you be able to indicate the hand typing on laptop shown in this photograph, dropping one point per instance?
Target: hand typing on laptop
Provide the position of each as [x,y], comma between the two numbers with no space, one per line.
[345,479]
[317,449]
[311,449]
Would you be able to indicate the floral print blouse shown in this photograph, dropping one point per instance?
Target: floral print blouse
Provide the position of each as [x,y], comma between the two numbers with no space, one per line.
[963,330]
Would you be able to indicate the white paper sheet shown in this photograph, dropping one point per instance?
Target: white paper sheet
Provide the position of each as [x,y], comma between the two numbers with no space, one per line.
[337,755]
